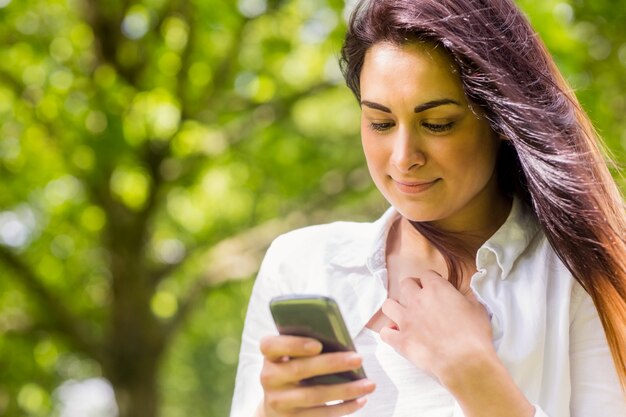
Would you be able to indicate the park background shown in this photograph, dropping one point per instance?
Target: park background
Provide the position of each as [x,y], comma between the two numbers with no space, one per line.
[150,151]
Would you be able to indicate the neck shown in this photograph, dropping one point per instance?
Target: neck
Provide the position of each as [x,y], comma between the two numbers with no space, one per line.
[481,218]
[471,234]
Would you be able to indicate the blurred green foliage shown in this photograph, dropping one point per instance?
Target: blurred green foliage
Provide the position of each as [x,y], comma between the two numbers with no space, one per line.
[150,150]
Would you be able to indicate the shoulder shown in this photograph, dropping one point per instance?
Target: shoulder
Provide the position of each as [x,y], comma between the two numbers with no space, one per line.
[336,236]
[541,262]
[339,229]
[308,260]
[543,271]
[344,244]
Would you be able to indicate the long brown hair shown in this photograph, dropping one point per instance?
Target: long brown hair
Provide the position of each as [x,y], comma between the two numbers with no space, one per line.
[553,159]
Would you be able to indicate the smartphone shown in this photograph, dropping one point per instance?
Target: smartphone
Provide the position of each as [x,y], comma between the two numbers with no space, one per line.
[317,317]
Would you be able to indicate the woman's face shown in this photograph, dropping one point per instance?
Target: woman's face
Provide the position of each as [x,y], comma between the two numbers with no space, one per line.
[431,157]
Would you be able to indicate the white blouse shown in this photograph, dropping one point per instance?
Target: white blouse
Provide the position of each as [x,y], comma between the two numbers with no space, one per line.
[546,329]
[401,389]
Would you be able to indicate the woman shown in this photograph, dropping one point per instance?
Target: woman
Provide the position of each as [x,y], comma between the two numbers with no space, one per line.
[495,285]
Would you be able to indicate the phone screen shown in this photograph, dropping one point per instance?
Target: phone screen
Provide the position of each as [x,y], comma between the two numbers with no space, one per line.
[317,317]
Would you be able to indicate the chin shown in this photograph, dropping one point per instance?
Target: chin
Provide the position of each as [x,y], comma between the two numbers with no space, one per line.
[416,214]
[418,208]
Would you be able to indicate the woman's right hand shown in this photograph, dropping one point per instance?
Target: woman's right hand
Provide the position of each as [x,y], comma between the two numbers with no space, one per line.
[290,359]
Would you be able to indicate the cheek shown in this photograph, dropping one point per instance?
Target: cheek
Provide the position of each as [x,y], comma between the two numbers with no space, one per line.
[471,165]
[481,148]
[369,148]
[376,162]
[481,160]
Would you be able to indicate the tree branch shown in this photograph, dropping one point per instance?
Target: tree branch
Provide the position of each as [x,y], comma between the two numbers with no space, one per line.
[245,129]
[8,80]
[223,70]
[239,257]
[64,322]
[187,11]
[105,20]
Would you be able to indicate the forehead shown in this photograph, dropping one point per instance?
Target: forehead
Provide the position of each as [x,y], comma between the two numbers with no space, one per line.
[417,69]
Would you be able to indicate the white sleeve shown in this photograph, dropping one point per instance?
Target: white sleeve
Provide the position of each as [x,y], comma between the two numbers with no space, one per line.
[596,390]
[258,324]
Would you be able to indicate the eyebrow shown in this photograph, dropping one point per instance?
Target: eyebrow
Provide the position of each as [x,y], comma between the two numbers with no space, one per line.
[418,109]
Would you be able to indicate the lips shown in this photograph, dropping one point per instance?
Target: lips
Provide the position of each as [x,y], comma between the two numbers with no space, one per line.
[414,187]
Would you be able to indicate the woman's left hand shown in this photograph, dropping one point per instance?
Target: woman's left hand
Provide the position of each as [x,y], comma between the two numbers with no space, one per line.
[437,328]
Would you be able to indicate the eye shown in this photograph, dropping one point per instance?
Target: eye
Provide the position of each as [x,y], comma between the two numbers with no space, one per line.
[438,128]
[381,127]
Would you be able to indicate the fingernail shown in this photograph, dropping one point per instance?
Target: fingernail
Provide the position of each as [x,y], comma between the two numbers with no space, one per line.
[361,401]
[366,384]
[313,346]
[354,359]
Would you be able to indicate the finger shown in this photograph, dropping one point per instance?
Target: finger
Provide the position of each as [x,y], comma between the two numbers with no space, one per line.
[476,301]
[343,409]
[409,290]
[275,375]
[325,364]
[319,395]
[390,336]
[411,285]
[274,348]
[430,277]
[394,310]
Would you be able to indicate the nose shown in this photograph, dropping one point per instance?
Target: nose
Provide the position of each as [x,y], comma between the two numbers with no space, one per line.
[407,153]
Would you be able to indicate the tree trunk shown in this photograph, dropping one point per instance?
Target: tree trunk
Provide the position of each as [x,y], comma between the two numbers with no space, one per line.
[136,392]
[135,346]
[135,339]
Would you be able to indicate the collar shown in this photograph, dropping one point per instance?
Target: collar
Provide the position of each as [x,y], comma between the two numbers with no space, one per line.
[510,240]
[369,247]
[363,245]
